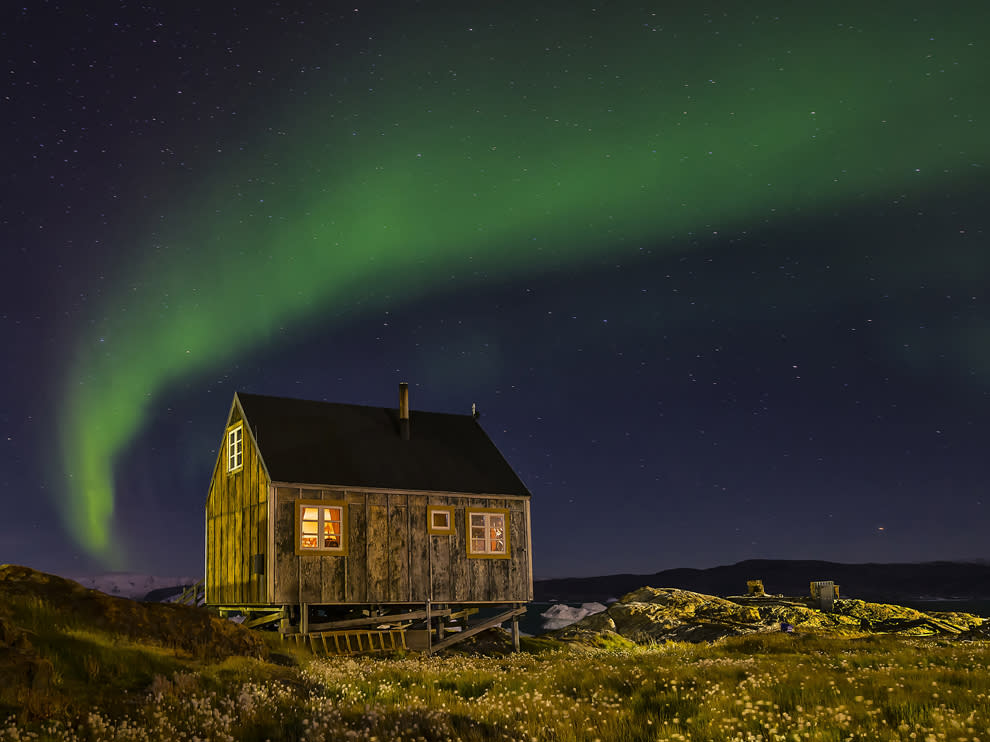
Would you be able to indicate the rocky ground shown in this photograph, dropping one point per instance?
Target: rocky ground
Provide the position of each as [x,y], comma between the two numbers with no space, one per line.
[667,614]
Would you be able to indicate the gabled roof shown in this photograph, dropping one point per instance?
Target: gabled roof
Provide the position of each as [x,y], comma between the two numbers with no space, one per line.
[357,446]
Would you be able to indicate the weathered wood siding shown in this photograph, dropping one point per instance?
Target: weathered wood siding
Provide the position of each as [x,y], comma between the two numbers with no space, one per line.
[236,527]
[391,555]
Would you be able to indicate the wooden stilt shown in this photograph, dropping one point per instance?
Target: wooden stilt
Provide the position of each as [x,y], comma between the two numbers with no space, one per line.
[429,630]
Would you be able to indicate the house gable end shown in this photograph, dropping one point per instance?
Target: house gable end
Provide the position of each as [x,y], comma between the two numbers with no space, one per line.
[237,415]
[237,518]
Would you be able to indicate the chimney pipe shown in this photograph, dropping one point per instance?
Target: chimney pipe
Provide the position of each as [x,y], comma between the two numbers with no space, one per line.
[404,410]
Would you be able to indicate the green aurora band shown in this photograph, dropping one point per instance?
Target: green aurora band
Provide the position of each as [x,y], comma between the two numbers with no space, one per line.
[512,149]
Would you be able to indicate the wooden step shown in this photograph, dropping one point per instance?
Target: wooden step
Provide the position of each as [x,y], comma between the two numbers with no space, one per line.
[356,641]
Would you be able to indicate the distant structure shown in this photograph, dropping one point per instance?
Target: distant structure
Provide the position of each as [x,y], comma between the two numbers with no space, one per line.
[824,593]
[364,527]
[755,587]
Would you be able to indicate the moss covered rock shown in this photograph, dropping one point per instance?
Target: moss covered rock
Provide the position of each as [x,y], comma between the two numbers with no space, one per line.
[886,618]
[651,614]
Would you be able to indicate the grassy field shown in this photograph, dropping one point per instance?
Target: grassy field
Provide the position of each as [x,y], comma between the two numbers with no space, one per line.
[76,664]
[757,687]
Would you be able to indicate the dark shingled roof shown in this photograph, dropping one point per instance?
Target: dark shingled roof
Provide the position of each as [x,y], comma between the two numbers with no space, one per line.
[357,446]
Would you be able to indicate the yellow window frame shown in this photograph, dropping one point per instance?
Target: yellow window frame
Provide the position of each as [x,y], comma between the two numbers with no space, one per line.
[490,537]
[322,522]
[432,511]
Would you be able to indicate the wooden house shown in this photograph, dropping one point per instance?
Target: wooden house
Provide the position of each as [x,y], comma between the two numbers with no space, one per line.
[336,516]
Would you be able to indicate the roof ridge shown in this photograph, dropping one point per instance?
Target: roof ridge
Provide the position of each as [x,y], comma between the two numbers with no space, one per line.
[348,404]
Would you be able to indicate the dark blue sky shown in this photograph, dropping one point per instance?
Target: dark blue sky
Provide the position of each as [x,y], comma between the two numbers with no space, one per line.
[808,382]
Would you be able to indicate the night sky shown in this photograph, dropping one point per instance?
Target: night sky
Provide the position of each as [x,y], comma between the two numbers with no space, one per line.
[715,274]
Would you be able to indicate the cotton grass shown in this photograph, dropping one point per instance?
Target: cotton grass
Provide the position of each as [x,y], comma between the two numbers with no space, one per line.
[782,688]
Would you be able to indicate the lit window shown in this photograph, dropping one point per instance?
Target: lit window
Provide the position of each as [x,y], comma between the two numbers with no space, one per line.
[487,533]
[321,527]
[235,448]
[441,520]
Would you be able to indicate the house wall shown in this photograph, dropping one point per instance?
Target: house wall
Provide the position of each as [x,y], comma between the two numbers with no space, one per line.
[237,526]
[391,555]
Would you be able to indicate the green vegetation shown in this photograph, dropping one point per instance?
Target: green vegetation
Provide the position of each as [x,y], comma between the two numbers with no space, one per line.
[77,665]
[65,649]
[756,687]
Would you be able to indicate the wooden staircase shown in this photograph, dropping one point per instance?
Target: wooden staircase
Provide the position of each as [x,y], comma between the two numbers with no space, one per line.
[354,641]
[387,632]
[195,594]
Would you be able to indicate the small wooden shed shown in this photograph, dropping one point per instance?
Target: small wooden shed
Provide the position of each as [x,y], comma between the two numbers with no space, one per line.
[336,516]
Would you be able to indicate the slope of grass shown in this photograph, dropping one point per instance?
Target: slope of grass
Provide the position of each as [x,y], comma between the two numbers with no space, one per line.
[64,648]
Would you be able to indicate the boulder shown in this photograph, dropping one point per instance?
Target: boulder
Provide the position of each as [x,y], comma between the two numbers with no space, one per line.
[775,610]
[666,614]
[886,619]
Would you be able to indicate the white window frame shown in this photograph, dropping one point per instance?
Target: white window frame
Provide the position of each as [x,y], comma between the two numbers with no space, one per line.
[433,510]
[235,448]
[324,509]
[484,544]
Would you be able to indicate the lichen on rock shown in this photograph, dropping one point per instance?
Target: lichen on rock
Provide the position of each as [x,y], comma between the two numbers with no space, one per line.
[650,614]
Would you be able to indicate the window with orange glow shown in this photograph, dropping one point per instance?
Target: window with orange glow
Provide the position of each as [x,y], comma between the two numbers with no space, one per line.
[488,534]
[440,520]
[321,527]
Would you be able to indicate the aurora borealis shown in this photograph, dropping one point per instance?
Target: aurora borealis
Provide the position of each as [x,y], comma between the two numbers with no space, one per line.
[233,193]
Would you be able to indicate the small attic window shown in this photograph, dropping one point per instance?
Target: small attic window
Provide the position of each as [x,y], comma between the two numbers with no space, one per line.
[235,448]
[440,520]
[321,527]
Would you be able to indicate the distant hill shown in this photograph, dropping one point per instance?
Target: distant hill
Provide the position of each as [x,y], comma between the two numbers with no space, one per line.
[875,582]
[135,586]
